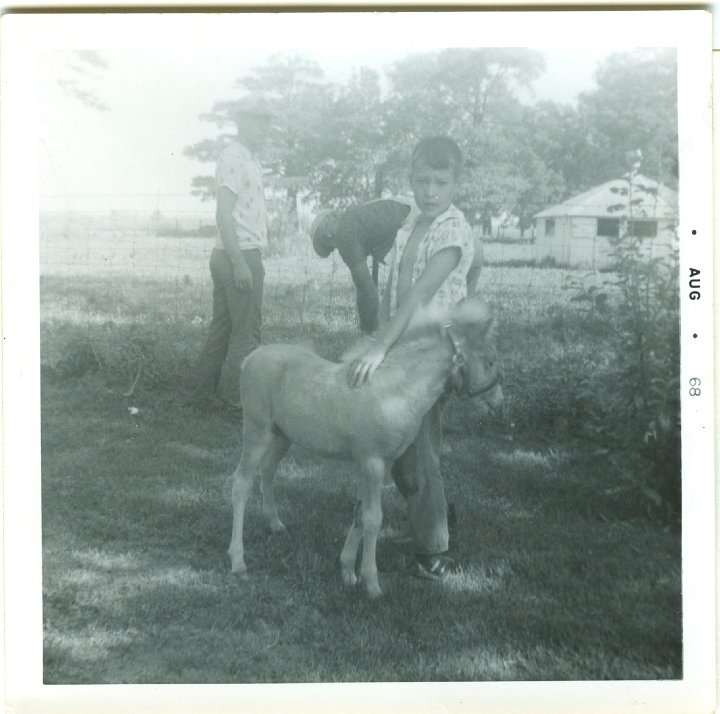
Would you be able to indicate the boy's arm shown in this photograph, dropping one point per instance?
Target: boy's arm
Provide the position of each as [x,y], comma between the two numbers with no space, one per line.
[434,275]
[367,297]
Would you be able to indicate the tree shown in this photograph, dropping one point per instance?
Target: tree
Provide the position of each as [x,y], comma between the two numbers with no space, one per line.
[296,88]
[442,92]
[472,96]
[352,148]
[634,108]
[296,85]
[79,74]
[559,140]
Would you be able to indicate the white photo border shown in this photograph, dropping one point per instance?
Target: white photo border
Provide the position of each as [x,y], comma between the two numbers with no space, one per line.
[24,36]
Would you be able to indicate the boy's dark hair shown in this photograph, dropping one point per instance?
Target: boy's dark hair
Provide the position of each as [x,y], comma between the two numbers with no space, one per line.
[437,152]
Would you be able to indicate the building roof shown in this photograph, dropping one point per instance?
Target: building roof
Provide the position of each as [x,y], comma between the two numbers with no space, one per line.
[610,200]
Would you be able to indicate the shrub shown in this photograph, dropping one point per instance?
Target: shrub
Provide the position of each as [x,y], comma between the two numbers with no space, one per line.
[66,352]
[636,402]
[130,356]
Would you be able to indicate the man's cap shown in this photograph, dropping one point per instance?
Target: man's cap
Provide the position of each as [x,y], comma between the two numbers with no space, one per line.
[253,105]
[318,228]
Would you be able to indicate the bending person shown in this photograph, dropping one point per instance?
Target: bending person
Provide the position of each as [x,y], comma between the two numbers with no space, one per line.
[369,230]
[359,232]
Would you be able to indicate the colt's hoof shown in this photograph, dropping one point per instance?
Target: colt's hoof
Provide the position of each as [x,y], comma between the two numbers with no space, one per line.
[373,591]
[239,571]
[349,578]
[277,526]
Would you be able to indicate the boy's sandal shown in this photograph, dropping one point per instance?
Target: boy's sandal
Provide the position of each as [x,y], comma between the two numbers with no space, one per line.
[434,567]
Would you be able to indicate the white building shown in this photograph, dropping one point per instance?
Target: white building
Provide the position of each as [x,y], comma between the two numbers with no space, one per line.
[581,230]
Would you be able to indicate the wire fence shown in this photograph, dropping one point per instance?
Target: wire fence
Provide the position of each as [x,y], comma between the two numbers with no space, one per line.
[133,249]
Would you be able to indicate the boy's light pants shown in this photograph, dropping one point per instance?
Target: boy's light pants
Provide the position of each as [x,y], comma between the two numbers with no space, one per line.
[417,476]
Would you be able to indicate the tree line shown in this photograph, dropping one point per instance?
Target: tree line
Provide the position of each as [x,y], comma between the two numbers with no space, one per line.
[349,142]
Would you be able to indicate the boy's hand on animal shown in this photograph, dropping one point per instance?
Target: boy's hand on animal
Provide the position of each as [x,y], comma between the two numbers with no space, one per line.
[362,369]
[243,276]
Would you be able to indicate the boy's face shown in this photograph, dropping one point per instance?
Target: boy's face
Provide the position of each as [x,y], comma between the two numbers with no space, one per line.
[434,189]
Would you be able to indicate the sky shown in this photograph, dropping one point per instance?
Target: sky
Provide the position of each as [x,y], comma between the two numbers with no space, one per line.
[131,156]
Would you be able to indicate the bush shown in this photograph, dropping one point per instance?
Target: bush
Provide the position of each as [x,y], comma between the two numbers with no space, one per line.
[604,366]
[66,352]
[130,356]
[628,396]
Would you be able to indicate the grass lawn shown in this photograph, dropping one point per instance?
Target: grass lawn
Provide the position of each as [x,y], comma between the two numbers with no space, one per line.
[565,576]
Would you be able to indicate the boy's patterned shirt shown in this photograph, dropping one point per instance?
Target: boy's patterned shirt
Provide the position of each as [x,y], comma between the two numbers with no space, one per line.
[447,230]
[239,171]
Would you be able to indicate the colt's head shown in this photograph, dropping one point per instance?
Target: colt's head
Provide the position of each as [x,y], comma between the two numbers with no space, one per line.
[474,329]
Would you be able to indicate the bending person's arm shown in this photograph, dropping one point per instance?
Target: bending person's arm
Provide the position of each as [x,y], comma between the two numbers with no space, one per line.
[384,312]
[367,296]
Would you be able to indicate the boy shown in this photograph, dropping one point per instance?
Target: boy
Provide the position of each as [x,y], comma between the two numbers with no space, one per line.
[433,254]
[235,263]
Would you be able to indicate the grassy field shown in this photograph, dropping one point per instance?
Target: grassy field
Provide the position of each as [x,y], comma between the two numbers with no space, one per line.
[568,573]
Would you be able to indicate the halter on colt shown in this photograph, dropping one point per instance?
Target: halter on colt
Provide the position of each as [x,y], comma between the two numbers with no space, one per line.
[290,394]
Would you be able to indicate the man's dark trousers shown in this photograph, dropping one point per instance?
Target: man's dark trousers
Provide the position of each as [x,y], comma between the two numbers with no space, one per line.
[235,330]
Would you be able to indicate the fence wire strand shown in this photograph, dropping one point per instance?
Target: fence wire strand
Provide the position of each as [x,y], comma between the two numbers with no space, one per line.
[128,251]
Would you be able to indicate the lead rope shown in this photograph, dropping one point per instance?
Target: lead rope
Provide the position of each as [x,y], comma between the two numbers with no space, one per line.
[456,379]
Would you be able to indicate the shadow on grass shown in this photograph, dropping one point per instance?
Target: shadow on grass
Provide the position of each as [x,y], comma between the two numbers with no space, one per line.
[556,584]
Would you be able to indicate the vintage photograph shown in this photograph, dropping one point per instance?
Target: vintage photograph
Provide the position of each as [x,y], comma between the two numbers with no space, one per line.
[361,365]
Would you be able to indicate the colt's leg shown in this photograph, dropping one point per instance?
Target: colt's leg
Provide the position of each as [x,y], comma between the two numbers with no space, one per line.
[255,444]
[371,482]
[276,450]
[350,549]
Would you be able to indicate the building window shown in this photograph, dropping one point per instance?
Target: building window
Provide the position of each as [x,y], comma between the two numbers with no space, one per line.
[550,227]
[643,229]
[608,227]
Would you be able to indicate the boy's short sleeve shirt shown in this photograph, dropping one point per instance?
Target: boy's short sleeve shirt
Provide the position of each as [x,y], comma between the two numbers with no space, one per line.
[449,229]
[238,170]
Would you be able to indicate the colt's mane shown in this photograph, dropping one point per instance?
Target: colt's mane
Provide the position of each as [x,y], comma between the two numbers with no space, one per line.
[425,327]
[415,336]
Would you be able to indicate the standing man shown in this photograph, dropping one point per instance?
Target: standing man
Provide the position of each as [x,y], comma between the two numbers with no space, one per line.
[236,263]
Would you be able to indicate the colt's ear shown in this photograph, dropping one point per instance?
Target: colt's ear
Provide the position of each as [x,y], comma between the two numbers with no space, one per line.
[479,319]
[472,312]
